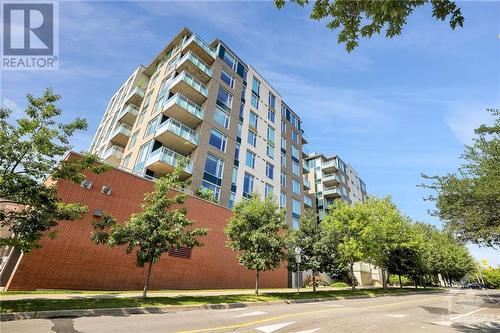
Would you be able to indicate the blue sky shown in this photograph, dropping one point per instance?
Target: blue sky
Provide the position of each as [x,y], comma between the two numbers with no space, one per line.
[392,108]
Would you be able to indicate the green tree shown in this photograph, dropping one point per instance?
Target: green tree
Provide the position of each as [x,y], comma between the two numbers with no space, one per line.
[257,231]
[364,18]
[344,226]
[31,149]
[158,228]
[468,201]
[206,194]
[308,238]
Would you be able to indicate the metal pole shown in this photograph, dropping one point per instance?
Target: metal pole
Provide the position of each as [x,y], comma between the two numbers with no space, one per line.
[298,272]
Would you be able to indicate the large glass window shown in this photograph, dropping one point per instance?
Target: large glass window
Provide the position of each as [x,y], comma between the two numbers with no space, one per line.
[270,151]
[295,168]
[272,101]
[234,176]
[237,151]
[283,159]
[268,190]
[214,166]
[271,115]
[256,86]
[283,126]
[211,187]
[240,126]
[295,137]
[252,138]
[253,119]
[248,181]
[221,117]
[270,134]
[126,160]
[232,198]
[254,101]
[283,143]
[227,78]
[283,200]
[295,186]
[269,170]
[133,139]
[218,140]
[295,152]
[250,161]
[283,179]
[230,60]
[151,127]
[224,98]
[142,155]
[296,206]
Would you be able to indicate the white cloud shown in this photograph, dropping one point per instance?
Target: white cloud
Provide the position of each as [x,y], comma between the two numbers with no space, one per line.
[13,106]
[462,119]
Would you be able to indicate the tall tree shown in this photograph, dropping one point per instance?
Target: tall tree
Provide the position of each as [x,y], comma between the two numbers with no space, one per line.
[364,18]
[468,201]
[161,226]
[257,231]
[308,238]
[344,226]
[31,148]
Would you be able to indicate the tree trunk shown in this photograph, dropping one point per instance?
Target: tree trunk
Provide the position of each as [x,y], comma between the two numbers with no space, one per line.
[146,283]
[314,281]
[415,280]
[384,280]
[353,279]
[257,283]
[400,284]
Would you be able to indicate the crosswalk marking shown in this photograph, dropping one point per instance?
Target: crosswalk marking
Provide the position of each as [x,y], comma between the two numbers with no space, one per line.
[255,313]
[272,328]
[397,315]
[309,331]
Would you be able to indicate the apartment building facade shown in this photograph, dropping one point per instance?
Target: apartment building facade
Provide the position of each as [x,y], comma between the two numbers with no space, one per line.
[200,101]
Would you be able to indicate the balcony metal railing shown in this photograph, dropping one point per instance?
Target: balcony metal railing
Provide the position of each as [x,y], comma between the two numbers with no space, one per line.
[197,61]
[179,129]
[201,43]
[169,157]
[186,104]
[194,83]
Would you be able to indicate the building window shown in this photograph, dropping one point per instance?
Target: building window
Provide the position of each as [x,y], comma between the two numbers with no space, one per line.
[270,151]
[295,168]
[295,223]
[256,86]
[271,115]
[234,176]
[294,120]
[250,161]
[126,160]
[214,166]
[295,153]
[283,200]
[254,101]
[248,181]
[269,170]
[268,190]
[252,138]
[232,198]
[253,119]
[224,98]
[230,60]
[296,207]
[283,159]
[272,101]
[295,137]
[142,155]
[283,143]
[237,152]
[211,187]
[238,133]
[270,134]
[295,186]
[344,191]
[227,78]
[218,140]
[283,179]
[283,126]
[133,139]
[221,117]
[151,127]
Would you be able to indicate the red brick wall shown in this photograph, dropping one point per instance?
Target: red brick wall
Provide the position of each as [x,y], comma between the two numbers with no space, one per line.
[72,261]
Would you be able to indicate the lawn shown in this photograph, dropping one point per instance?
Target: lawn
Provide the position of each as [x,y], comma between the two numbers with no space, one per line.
[122,302]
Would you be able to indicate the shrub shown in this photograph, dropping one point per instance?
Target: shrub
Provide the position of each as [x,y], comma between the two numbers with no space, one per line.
[394,280]
[491,278]
[320,281]
[339,284]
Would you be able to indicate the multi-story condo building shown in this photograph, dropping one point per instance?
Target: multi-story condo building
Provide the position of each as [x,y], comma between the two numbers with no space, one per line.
[332,178]
[201,101]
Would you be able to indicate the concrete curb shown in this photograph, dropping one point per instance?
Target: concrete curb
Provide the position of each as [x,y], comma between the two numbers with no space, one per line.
[125,312]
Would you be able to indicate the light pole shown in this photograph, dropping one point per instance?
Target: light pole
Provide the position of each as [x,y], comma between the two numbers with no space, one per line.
[298,259]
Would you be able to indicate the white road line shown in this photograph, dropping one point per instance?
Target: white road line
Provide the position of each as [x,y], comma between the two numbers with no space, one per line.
[309,331]
[466,314]
[397,315]
[250,314]
[272,328]
[332,305]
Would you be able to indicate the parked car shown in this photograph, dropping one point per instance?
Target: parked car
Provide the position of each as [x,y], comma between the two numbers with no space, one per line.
[476,285]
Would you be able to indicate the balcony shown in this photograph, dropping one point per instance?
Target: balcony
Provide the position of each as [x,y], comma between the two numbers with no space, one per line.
[194,65]
[135,96]
[113,154]
[307,201]
[177,136]
[187,85]
[200,47]
[183,109]
[128,114]
[330,166]
[331,179]
[307,184]
[163,161]
[305,167]
[120,135]
[331,192]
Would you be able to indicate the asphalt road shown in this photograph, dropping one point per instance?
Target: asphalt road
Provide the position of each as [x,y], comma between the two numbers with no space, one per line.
[456,311]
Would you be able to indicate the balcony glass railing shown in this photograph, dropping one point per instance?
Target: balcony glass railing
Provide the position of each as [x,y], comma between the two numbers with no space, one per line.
[186,104]
[114,151]
[197,85]
[307,201]
[122,129]
[331,176]
[179,129]
[197,61]
[305,166]
[330,164]
[169,157]
[307,183]
[137,91]
[201,43]
[132,109]
[331,190]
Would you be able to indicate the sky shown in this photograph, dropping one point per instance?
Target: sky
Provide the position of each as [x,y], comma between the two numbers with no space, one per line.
[392,108]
